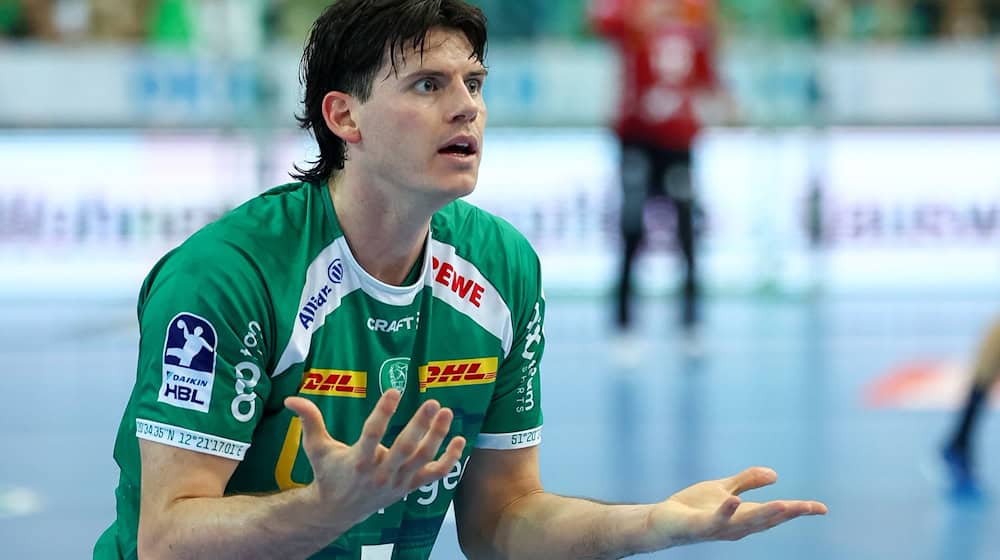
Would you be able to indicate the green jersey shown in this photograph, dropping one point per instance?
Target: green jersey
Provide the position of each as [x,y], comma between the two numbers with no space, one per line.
[269,302]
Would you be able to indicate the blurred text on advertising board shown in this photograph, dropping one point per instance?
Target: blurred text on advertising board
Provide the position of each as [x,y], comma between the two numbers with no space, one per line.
[844,210]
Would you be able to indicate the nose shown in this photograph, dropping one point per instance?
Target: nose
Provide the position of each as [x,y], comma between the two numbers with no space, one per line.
[466,105]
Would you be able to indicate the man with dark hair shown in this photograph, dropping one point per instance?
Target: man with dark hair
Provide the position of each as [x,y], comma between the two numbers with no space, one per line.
[321,368]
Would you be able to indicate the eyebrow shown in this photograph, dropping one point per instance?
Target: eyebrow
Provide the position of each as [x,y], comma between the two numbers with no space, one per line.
[479,73]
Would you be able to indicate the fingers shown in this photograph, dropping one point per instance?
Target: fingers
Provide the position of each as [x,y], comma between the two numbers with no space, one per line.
[754,477]
[411,460]
[410,443]
[754,518]
[763,518]
[433,434]
[413,448]
[785,509]
[727,509]
[314,431]
[807,508]
[405,465]
[436,470]
[376,425]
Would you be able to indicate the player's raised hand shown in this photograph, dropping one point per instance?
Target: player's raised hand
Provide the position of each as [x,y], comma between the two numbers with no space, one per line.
[358,480]
[712,510]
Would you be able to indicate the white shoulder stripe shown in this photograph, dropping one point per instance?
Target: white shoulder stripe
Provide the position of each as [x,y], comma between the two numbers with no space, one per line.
[334,274]
[328,279]
[510,440]
[191,440]
[461,285]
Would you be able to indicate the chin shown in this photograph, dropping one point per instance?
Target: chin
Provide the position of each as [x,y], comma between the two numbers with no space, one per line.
[466,189]
[459,187]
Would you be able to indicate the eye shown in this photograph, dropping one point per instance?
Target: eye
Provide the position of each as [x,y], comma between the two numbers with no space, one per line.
[475,86]
[426,85]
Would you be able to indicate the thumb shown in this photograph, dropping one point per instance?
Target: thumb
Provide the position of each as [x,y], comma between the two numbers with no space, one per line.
[314,431]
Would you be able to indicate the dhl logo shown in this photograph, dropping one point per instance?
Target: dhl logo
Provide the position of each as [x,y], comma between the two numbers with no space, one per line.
[335,383]
[477,371]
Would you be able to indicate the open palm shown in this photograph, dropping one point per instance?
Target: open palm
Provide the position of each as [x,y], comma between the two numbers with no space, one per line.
[713,510]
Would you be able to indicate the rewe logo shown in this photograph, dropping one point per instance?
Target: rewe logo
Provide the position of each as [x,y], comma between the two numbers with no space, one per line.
[465,288]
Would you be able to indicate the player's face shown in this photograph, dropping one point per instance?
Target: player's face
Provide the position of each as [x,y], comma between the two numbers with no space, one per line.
[422,128]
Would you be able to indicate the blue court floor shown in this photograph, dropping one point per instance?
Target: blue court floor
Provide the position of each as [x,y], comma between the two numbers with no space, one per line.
[781,383]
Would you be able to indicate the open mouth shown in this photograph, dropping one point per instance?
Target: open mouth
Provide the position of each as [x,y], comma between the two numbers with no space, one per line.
[458,149]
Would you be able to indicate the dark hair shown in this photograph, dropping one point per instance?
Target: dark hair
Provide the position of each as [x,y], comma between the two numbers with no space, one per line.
[348,45]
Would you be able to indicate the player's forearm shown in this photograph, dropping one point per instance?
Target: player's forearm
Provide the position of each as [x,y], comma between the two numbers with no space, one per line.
[548,526]
[288,525]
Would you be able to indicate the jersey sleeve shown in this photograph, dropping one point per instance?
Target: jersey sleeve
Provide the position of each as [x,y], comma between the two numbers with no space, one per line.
[205,343]
[514,418]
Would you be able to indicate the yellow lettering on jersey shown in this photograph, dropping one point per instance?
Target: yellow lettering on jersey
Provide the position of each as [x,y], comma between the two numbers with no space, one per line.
[289,451]
[453,373]
[335,383]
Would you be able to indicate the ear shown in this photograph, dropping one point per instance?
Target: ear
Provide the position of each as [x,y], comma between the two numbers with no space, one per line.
[339,119]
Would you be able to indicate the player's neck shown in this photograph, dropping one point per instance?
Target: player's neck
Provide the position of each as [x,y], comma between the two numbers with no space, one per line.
[386,235]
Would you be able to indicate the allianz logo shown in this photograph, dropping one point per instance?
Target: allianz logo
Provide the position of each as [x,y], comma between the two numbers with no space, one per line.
[391,326]
[307,315]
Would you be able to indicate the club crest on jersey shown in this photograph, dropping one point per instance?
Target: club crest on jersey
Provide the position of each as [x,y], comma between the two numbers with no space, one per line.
[188,362]
[393,374]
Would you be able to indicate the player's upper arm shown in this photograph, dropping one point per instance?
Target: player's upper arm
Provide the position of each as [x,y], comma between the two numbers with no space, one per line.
[494,480]
[170,474]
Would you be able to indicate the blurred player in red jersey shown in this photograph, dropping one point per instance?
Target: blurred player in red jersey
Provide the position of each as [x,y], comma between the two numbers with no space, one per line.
[667,52]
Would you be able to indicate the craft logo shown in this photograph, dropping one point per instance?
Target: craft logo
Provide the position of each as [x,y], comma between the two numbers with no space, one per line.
[393,325]
[335,383]
[453,373]
[188,363]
